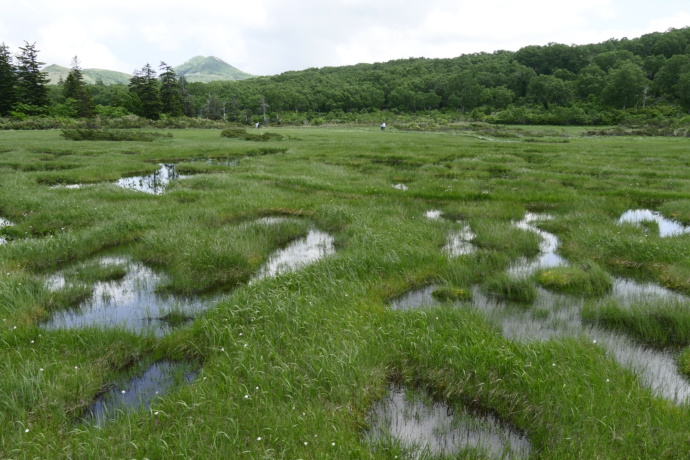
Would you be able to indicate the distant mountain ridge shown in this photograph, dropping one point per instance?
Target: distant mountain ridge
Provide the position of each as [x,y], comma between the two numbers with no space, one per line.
[197,69]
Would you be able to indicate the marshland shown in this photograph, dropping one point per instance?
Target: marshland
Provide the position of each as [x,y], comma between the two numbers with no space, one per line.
[345,292]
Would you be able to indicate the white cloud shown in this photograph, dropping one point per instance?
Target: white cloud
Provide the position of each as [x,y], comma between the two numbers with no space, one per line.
[273,36]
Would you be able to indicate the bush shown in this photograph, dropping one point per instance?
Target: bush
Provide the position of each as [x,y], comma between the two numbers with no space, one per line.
[240,133]
[79,134]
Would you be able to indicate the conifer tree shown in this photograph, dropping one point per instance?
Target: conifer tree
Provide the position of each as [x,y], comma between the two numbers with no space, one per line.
[171,92]
[31,82]
[8,81]
[76,89]
[145,92]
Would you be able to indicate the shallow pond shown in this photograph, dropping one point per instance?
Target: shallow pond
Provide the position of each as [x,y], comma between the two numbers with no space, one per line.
[155,183]
[131,302]
[667,227]
[424,428]
[298,254]
[460,242]
[140,392]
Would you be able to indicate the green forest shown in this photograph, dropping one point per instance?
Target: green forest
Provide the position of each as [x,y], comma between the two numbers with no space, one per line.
[640,80]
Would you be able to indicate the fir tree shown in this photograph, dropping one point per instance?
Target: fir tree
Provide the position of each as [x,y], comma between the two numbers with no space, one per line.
[8,81]
[31,82]
[75,88]
[171,92]
[145,92]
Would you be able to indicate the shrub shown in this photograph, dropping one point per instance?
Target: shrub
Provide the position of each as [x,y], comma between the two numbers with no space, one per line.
[80,134]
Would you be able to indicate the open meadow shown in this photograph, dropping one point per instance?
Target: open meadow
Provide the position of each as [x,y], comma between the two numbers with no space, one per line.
[300,295]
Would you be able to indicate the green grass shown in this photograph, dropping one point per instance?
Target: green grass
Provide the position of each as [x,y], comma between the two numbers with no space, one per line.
[298,360]
[585,279]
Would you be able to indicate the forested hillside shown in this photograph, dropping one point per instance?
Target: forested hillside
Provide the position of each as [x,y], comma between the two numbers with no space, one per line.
[644,78]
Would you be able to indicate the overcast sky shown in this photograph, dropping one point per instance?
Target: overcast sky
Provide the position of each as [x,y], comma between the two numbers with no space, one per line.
[268,37]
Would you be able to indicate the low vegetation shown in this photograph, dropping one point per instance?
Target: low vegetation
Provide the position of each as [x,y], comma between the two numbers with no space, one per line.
[289,366]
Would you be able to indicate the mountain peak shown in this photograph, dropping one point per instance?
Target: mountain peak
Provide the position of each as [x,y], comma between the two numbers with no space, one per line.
[209,68]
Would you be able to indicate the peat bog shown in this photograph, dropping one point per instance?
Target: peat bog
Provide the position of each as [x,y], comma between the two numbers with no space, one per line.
[359,295]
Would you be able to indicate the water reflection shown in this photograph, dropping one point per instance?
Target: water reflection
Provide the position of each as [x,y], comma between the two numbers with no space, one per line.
[433,214]
[4,223]
[155,183]
[139,392]
[425,428]
[667,227]
[558,316]
[460,242]
[131,303]
[547,257]
[299,253]
[415,299]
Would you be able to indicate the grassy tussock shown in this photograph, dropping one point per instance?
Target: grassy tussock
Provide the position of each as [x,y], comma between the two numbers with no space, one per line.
[585,279]
[298,360]
[661,325]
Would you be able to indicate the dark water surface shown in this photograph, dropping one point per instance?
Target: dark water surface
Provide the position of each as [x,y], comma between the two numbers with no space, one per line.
[139,392]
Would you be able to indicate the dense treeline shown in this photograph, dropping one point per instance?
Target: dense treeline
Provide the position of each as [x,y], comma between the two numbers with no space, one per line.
[648,77]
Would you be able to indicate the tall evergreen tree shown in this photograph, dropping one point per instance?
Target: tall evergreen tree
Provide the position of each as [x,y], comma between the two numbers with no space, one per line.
[31,82]
[171,92]
[187,102]
[8,81]
[145,92]
[76,89]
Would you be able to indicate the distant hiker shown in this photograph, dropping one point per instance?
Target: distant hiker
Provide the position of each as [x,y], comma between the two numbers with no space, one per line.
[383,126]
[257,125]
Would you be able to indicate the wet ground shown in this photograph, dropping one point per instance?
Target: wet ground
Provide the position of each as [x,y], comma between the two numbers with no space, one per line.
[4,223]
[155,183]
[131,303]
[298,254]
[667,227]
[555,315]
[427,428]
[139,392]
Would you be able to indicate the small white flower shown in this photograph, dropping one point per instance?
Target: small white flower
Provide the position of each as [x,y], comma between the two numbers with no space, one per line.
[259,438]
[305,443]
[155,413]
[333,444]
[553,365]
[222,349]
[594,341]
[26,431]
[123,392]
[246,396]
[41,369]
